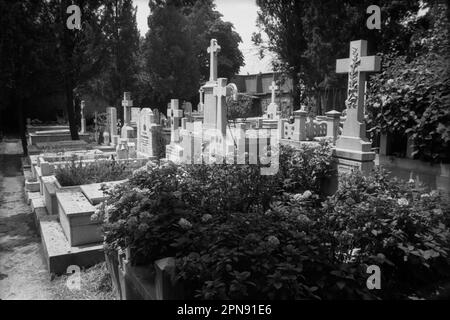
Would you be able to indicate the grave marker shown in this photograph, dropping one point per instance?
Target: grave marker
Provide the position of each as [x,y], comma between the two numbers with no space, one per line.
[213,50]
[353,145]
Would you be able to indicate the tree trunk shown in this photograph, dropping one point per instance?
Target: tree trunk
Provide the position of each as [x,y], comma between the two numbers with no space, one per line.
[296,90]
[70,108]
[21,124]
[68,47]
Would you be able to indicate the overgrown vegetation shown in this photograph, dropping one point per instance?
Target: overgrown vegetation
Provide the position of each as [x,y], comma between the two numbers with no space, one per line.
[236,234]
[79,173]
[412,93]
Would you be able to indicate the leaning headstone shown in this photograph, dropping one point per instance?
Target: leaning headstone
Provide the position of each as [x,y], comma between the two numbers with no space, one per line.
[353,150]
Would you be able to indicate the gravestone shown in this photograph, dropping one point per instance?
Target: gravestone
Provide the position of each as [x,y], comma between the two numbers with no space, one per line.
[174,113]
[147,137]
[273,110]
[157,116]
[111,125]
[128,132]
[353,150]
[135,113]
[210,108]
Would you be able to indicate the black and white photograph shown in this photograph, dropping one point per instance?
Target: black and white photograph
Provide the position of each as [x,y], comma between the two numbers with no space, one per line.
[199,151]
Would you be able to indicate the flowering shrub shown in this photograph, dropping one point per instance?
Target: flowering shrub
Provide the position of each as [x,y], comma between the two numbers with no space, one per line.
[145,212]
[390,223]
[305,168]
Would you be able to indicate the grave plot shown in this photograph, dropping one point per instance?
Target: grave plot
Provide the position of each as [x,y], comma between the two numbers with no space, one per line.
[64,188]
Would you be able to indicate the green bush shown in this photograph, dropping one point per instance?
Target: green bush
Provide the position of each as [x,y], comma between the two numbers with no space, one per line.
[79,173]
[392,224]
[144,213]
[236,234]
[412,93]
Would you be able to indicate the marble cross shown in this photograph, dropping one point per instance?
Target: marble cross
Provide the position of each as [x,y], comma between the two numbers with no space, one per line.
[358,50]
[273,88]
[213,50]
[357,66]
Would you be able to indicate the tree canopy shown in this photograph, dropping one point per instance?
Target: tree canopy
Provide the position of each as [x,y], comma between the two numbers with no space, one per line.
[175,49]
[308,36]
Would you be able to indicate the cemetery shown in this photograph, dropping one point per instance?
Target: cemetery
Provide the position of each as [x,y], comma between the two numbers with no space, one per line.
[174,199]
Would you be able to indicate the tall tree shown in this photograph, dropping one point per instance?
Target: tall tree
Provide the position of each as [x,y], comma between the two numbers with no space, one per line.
[206,23]
[122,42]
[170,56]
[23,52]
[82,52]
[308,36]
[182,30]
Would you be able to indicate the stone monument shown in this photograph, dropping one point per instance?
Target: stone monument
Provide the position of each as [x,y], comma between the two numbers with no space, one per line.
[353,150]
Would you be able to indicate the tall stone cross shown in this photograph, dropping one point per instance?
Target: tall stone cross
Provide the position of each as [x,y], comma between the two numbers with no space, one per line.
[273,88]
[213,49]
[127,103]
[357,66]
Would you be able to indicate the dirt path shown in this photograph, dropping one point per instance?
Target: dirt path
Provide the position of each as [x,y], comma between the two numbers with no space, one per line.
[23,274]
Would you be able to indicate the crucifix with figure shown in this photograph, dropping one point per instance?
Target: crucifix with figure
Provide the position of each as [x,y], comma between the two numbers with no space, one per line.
[213,50]
[357,66]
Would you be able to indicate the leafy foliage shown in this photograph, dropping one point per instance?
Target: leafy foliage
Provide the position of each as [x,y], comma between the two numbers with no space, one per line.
[174,50]
[412,94]
[157,198]
[272,241]
[241,108]
[393,224]
[308,36]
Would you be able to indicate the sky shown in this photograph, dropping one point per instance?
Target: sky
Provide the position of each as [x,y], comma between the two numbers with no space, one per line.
[242,13]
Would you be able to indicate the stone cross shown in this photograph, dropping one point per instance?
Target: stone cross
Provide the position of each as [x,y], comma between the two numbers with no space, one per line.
[273,88]
[127,103]
[353,125]
[83,120]
[213,49]
[174,113]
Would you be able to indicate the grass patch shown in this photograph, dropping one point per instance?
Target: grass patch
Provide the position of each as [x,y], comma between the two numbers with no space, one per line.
[78,173]
[96,284]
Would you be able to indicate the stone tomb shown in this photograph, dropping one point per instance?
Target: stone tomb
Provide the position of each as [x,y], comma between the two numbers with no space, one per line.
[94,192]
[75,213]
